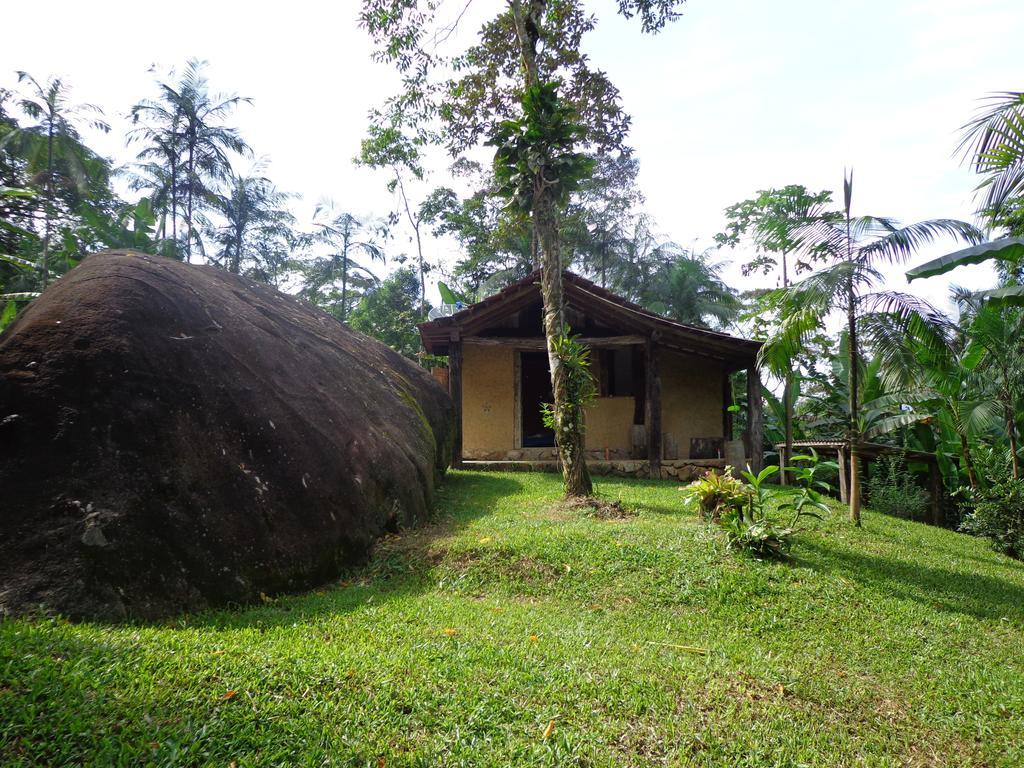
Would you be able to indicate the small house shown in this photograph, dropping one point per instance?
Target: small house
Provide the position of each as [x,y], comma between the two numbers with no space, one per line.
[664,387]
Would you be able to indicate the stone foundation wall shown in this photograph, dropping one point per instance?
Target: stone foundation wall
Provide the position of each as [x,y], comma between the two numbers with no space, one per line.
[540,454]
[682,470]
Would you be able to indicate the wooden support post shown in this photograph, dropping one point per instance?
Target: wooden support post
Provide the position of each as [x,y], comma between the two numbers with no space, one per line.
[935,489]
[844,484]
[455,391]
[726,402]
[755,421]
[653,416]
[783,463]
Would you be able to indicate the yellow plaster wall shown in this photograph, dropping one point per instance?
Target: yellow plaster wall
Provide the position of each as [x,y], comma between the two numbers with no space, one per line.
[691,398]
[608,422]
[488,398]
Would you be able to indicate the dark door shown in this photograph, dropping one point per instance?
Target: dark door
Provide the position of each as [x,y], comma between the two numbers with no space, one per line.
[535,388]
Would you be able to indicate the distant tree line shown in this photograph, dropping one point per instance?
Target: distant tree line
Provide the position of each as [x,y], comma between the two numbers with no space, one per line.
[196,191]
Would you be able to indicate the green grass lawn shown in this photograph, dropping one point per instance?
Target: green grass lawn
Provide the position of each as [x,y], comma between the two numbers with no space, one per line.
[897,644]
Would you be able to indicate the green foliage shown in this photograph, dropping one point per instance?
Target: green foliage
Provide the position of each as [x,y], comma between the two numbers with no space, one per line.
[685,285]
[8,310]
[448,296]
[995,510]
[773,221]
[744,511]
[1005,249]
[581,389]
[806,471]
[997,513]
[892,490]
[715,493]
[255,234]
[335,280]
[993,143]
[535,152]
[390,311]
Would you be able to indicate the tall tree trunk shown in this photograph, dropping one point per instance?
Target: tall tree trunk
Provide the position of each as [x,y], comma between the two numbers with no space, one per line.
[174,204]
[236,258]
[569,436]
[854,385]
[787,399]
[48,212]
[414,222]
[965,452]
[1011,423]
[787,405]
[1014,458]
[568,417]
[344,282]
[188,210]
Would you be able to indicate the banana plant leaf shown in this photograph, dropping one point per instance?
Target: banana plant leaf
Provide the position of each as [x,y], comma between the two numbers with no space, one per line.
[17,261]
[16,192]
[1007,248]
[1010,296]
[21,296]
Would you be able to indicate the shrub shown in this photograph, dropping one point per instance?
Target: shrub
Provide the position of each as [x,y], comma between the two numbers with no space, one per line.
[892,490]
[997,514]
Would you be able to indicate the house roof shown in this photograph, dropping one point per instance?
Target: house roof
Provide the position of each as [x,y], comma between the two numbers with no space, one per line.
[609,308]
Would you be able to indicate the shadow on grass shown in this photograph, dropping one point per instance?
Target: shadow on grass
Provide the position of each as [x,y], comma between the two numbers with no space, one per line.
[974,594]
[398,566]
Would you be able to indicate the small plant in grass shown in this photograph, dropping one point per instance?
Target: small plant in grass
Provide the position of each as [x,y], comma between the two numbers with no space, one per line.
[715,493]
[806,472]
[750,527]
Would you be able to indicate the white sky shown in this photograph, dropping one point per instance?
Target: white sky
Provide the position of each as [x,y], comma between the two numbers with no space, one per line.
[731,98]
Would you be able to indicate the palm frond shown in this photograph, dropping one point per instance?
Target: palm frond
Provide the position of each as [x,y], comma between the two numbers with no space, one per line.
[900,244]
[993,143]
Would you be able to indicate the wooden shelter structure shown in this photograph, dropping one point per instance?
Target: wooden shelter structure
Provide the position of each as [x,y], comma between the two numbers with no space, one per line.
[867,452]
[664,386]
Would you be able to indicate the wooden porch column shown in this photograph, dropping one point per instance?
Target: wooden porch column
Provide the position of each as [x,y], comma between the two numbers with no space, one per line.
[653,415]
[726,402]
[755,422]
[455,391]
[935,489]
[844,486]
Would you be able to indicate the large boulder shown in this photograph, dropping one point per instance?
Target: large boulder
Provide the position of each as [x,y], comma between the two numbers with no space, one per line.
[174,437]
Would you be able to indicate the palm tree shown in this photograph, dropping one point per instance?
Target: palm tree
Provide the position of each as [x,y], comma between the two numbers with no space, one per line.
[958,394]
[154,178]
[995,348]
[687,286]
[856,248]
[54,148]
[184,131]
[346,234]
[159,162]
[771,220]
[994,144]
[253,215]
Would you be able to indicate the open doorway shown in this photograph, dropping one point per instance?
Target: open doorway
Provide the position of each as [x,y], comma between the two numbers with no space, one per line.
[534,389]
